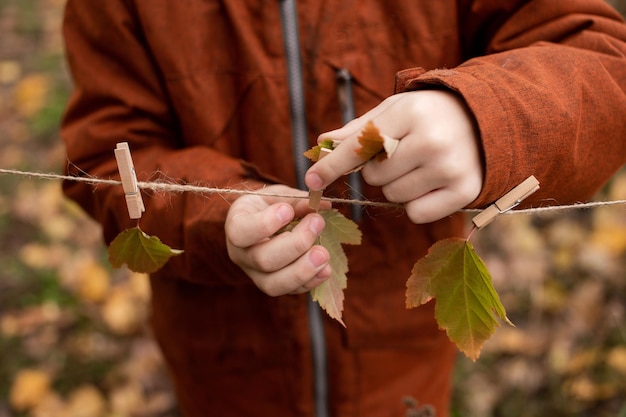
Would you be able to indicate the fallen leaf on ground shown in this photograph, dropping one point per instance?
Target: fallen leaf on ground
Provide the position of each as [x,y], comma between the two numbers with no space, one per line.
[30,94]
[93,282]
[29,388]
[85,401]
[122,313]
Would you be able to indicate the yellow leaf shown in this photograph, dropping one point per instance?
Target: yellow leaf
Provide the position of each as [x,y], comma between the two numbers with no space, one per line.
[122,313]
[30,94]
[85,401]
[616,359]
[582,361]
[127,400]
[609,232]
[35,255]
[58,227]
[617,187]
[29,388]
[10,71]
[585,389]
[140,285]
[51,405]
[40,256]
[93,282]
[12,156]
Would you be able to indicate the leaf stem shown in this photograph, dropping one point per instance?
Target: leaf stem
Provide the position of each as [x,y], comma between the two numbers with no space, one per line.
[469,236]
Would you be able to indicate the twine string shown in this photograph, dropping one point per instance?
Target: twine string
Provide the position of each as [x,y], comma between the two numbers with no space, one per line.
[169,187]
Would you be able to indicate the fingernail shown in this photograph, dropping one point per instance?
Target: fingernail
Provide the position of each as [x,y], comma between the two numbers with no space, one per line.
[318,257]
[316,225]
[324,274]
[314,182]
[284,213]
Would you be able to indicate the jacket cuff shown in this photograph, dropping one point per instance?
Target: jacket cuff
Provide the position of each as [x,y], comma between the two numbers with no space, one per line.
[404,77]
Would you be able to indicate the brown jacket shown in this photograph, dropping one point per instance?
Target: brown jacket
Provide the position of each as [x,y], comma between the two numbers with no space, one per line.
[198,89]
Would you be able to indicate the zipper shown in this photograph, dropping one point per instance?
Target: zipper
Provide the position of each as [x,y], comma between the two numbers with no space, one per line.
[289,21]
[346,105]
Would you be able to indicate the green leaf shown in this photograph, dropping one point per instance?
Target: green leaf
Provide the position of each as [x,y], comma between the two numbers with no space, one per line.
[467,306]
[140,252]
[338,230]
[341,228]
[314,153]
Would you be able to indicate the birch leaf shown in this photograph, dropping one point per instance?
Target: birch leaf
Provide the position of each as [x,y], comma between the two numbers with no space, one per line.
[339,230]
[467,306]
[140,252]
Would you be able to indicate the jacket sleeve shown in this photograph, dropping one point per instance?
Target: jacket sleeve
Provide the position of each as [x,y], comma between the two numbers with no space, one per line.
[119,96]
[546,81]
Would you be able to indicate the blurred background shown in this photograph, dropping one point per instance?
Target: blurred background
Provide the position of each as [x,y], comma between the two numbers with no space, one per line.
[73,339]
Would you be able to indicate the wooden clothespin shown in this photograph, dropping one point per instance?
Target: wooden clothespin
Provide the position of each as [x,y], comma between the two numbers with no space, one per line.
[129,180]
[316,196]
[507,202]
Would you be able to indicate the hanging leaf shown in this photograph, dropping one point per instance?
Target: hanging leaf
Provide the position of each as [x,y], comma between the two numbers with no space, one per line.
[340,227]
[140,252]
[339,230]
[467,306]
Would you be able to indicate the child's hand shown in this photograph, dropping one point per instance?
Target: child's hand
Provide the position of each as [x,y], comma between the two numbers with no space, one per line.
[287,263]
[436,169]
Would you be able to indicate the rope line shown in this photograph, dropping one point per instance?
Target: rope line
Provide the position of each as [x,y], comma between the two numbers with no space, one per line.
[183,188]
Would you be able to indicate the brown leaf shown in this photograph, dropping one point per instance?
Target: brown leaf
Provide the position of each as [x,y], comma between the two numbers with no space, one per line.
[371,143]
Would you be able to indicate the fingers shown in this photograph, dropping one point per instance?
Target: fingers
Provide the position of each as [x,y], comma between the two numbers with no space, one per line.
[286,263]
[436,168]
[306,273]
[289,262]
[434,205]
[340,161]
[245,227]
[253,218]
[344,158]
[271,255]
[427,198]
[414,171]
